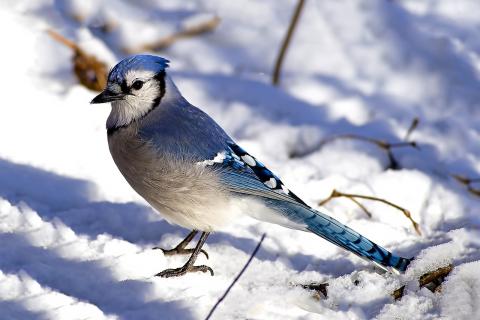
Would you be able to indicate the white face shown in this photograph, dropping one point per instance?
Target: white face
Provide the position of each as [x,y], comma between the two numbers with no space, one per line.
[143,87]
[140,90]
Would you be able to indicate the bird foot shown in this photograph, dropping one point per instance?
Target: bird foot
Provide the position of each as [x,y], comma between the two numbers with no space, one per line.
[177,272]
[178,250]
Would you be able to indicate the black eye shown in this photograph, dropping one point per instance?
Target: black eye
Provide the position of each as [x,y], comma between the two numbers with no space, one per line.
[137,85]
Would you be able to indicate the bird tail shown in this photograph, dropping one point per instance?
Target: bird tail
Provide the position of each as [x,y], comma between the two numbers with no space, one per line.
[330,229]
[347,238]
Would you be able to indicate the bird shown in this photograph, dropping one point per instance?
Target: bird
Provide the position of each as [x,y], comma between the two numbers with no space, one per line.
[193,173]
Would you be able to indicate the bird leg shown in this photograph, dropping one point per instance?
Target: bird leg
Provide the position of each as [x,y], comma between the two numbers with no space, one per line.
[180,248]
[189,267]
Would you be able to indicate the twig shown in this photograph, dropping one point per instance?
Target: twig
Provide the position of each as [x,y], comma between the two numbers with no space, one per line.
[361,206]
[201,28]
[63,40]
[384,145]
[319,288]
[338,194]
[90,72]
[286,42]
[468,182]
[431,280]
[412,127]
[237,277]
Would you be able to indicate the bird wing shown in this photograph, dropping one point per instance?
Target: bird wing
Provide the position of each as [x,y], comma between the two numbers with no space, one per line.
[242,173]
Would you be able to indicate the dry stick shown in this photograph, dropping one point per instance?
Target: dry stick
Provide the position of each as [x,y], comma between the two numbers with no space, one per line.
[195,30]
[237,277]
[55,35]
[318,288]
[431,280]
[361,206]
[384,145]
[412,127]
[286,42]
[90,72]
[468,183]
[338,194]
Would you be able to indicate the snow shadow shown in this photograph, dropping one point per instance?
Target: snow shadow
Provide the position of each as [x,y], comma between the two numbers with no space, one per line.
[13,309]
[57,197]
[41,189]
[69,199]
[86,280]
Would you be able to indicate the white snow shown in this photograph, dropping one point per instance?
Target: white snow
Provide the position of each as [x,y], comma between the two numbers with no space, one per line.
[76,241]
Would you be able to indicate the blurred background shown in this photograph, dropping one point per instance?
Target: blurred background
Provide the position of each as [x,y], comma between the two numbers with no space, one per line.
[376,98]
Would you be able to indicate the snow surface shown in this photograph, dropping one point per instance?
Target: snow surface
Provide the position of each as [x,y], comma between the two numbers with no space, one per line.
[76,240]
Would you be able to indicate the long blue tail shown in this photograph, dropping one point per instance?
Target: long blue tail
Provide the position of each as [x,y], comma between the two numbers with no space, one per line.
[341,235]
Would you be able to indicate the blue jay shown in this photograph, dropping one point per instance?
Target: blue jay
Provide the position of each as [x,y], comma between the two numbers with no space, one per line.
[187,168]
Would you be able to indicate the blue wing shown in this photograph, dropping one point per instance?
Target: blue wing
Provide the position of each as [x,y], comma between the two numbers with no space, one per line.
[243,174]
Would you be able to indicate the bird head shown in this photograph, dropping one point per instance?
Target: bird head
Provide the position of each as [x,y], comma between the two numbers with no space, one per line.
[134,87]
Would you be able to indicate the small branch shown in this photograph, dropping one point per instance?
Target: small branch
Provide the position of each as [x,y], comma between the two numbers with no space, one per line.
[431,280]
[412,127]
[468,182]
[237,277]
[338,194]
[361,206]
[90,72]
[319,288]
[72,45]
[384,145]
[188,32]
[286,42]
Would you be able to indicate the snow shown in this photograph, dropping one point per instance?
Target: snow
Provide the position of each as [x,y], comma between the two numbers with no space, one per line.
[77,241]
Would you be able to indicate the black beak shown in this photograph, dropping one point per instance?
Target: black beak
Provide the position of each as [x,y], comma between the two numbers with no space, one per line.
[107,96]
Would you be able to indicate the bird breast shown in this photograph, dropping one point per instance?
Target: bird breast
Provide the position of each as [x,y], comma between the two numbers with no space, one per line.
[185,193]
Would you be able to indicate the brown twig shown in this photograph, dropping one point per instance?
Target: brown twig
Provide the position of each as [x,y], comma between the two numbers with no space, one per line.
[361,206]
[468,182]
[286,42]
[198,29]
[384,145]
[237,277]
[431,280]
[338,194]
[320,289]
[412,127]
[90,72]
[55,35]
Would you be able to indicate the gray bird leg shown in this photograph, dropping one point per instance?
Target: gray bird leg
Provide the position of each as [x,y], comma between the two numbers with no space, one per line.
[189,267]
[180,248]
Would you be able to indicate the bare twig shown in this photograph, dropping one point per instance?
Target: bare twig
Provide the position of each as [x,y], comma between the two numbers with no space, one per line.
[237,277]
[384,145]
[90,72]
[198,29]
[468,182]
[338,194]
[361,206]
[412,127]
[55,35]
[286,42]
[431,280]
[320,289]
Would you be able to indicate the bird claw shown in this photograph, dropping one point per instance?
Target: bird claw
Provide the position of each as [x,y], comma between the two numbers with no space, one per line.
[177,272]
[176,251]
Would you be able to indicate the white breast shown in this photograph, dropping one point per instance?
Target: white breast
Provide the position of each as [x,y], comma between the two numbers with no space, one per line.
[183,192]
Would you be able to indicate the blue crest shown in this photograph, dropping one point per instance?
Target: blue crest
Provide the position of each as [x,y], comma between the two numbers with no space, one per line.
[137,62]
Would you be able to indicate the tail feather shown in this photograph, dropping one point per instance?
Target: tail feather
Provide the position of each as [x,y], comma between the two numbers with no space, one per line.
[343,236]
